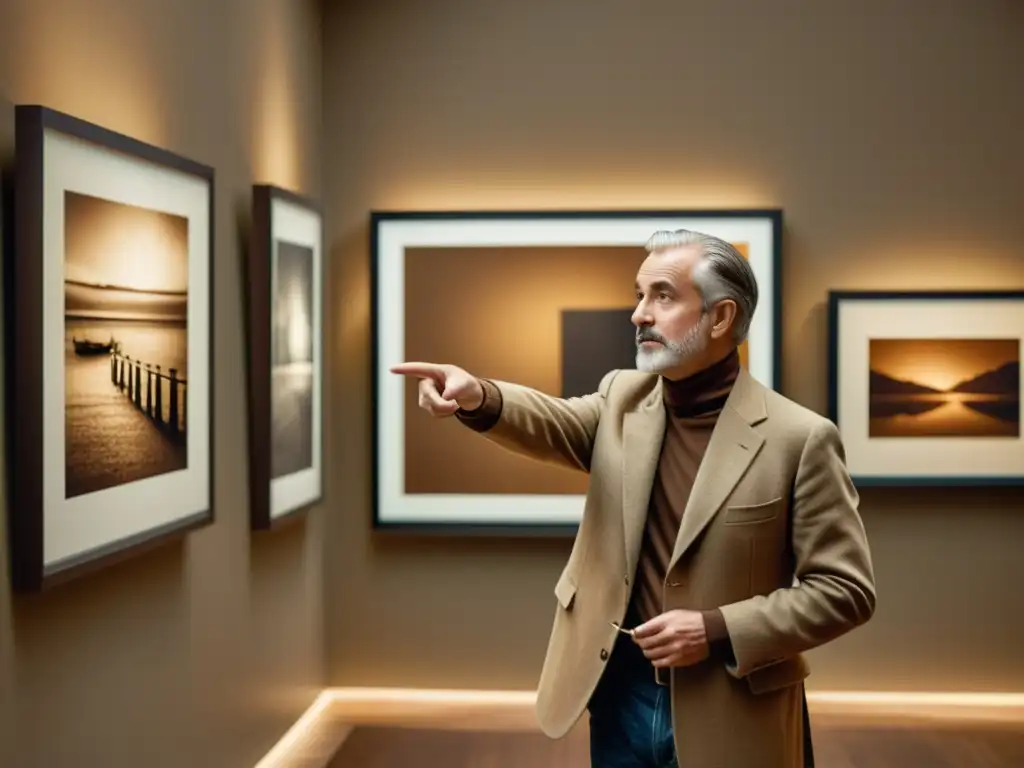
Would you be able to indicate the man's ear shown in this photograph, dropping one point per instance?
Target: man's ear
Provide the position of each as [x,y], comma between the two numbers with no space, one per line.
[723,316]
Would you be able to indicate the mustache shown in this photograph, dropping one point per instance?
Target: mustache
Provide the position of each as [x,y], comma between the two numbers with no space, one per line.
[643,335]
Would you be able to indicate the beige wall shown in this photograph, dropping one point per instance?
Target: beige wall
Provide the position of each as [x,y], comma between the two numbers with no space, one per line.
[888,132]
[203,653]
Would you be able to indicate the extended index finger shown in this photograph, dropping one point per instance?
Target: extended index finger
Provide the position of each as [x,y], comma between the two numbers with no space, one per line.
[420,370]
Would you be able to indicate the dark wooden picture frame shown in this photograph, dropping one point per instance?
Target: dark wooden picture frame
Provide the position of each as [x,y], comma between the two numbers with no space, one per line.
[925,386]
[400,240]
[286,364]
[112,235]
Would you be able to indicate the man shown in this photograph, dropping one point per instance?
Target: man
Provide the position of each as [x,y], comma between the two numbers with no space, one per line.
[720,538]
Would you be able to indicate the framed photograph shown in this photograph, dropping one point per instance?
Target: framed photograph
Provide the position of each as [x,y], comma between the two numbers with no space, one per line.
[925,386]
[110,342]
[542,299]
[285,355]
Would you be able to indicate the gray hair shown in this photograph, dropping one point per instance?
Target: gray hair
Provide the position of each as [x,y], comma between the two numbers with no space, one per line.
[723,273]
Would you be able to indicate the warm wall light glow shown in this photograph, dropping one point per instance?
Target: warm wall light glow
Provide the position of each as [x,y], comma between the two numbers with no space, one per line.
[352,313]
[275,144]
[371,698]
[905,706]
[97,66]
[922,698]
[923,265]
[430,696]
[602,189]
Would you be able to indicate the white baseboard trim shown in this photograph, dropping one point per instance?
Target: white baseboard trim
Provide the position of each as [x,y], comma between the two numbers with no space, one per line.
[318,734]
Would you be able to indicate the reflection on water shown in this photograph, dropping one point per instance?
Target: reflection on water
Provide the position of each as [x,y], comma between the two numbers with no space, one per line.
[944,415]
[108,441]
[291,403]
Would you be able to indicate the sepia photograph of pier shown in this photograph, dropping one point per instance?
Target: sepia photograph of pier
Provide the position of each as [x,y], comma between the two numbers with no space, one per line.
[126,343]
[291,386]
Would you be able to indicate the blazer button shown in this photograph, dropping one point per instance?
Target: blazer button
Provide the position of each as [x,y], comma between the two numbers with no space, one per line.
[604,654]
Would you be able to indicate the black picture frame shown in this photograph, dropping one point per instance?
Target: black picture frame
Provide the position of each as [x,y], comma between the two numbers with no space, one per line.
[285,431]
[392,233]
[897,446]
[154,444]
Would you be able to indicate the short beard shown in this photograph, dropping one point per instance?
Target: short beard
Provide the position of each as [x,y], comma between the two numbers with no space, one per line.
[671,354]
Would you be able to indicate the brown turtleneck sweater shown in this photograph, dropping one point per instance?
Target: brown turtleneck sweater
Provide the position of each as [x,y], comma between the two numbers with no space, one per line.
[692,407]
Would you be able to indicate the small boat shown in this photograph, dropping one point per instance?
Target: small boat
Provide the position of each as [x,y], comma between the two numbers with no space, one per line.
[86,347]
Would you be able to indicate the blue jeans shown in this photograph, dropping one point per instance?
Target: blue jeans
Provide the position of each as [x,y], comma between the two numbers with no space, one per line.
[630,714]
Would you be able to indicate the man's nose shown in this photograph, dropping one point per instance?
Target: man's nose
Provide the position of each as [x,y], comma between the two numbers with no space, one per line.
[641,317]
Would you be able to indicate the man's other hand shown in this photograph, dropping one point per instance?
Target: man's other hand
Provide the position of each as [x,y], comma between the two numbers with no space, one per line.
[674,639]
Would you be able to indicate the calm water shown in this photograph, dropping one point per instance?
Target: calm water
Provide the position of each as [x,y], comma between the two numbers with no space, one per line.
[108,440]
[291,405]
[944,415]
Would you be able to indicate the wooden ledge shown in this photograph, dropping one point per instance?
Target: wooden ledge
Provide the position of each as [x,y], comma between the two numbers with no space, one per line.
[316,736]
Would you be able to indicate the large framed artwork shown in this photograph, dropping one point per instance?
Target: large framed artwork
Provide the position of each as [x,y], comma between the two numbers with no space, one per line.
[543,299]
[285,355]
[110,365]
[925,387]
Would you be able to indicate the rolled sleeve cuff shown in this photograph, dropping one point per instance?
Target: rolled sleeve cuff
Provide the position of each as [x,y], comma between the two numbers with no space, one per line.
[717,631]
[487,414]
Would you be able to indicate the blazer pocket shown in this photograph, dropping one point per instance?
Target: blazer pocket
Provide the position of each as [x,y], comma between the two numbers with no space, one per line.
[748,514]
[565,591]
[781,674]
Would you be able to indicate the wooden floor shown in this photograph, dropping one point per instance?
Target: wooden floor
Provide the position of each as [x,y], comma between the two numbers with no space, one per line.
[920,744]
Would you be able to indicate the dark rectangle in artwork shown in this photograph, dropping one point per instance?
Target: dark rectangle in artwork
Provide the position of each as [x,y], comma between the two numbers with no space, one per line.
[291,398]
[944,388]
[594,342]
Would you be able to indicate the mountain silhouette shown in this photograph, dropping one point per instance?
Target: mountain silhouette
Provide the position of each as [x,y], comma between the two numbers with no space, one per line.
[1004,380]
[880,384]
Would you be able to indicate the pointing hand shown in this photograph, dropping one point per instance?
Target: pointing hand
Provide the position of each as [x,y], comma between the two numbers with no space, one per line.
[443,389]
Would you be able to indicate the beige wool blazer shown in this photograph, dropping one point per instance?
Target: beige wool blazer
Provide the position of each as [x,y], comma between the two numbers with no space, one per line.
[771,535]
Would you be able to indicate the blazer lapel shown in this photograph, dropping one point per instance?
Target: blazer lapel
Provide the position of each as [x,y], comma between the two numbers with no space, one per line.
[734,444]
[643,431]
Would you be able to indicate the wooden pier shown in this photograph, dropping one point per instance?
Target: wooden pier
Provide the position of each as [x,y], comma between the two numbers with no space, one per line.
[145,386]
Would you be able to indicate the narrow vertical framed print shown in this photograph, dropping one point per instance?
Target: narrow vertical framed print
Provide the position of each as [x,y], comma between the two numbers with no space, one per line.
[110,349]
[925,386]
[285,354]
[543,299]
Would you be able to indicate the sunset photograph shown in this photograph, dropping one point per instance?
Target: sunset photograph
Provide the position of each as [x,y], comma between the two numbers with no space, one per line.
[125,343]
[944,388]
